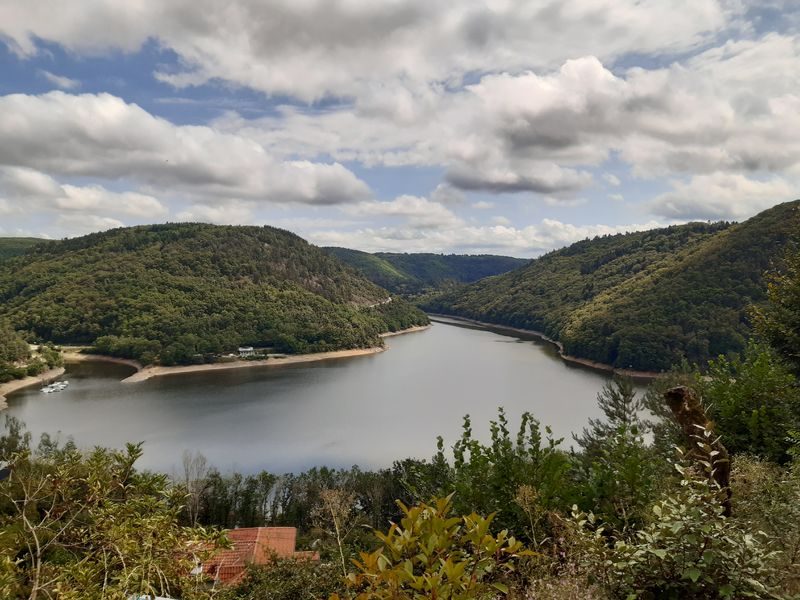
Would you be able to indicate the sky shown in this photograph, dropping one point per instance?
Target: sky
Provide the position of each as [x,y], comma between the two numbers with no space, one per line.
[495,126]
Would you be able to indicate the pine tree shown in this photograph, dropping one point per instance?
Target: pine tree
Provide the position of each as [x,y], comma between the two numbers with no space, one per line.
[621,408]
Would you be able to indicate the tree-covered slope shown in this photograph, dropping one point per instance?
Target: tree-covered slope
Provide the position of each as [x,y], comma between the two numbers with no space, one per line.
[643,300]
[177,292]
[375,268]
[10,246]
[412,273]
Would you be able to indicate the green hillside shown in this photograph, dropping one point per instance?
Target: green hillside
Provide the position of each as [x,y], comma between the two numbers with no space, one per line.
[414,273]
[643,300]
[180,293]
[11,246]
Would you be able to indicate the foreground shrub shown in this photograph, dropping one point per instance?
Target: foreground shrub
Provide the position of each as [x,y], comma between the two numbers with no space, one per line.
[688,551]
[768,499]
[286,579]
[566,584]
[89,526]
[432,554]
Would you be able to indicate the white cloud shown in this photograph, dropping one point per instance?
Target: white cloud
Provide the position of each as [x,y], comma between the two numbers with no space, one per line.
[231,213]
[730,108]
[448,195]
[30,190]
[102,136]
[73,225]
[483,205]
[61,82]
[529,241]
[97,198]
[722,196]
[311,49]
[417,212]
[501,96]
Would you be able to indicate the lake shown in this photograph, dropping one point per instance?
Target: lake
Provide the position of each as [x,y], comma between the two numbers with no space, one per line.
[366,410]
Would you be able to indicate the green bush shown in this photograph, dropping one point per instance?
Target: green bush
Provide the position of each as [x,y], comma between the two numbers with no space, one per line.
[754,401]
[286,579]
[688,550]
[768,499]
[432,554]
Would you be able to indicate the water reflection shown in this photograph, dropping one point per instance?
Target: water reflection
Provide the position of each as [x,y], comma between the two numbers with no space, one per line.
[368,410]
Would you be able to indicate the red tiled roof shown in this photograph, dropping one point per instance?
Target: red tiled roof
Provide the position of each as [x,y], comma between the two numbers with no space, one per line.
[253,545]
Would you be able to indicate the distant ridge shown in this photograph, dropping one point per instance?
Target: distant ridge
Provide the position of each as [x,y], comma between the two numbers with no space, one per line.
[643,300]
[177,293]
[16,246]
[417,272]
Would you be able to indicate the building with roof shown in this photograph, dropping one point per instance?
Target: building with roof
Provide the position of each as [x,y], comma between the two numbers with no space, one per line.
[253,546]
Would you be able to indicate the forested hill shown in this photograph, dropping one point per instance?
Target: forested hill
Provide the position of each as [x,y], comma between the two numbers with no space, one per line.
[180,291]
[413,273]
[10,246]
[643,300]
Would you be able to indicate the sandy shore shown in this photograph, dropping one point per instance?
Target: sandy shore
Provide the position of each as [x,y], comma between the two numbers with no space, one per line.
[404,331]
[18,384]
[584,362]
[157,371]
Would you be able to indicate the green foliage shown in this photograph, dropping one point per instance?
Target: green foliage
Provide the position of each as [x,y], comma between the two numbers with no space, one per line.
[286,579]
[768,499]
[90,526]
[486,478]
[754,400]
[13,347]
[643,300]
[621,410]
[235,500]
[616,471]
[15,439]
[779,322]
[14,354]
[11,247]
[398,315]
[415,273]
[16,359]
[183,293]
[431,554]
[688,550]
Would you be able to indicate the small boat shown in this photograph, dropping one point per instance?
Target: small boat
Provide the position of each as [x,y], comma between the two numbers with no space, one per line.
[55,387]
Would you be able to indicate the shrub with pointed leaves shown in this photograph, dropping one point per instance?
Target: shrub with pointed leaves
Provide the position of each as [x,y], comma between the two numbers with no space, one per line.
[432,554]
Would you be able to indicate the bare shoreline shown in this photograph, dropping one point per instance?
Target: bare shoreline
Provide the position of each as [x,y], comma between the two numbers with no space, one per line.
[405,331]
[18,384]
[72,357]
[584,362]
[158,371]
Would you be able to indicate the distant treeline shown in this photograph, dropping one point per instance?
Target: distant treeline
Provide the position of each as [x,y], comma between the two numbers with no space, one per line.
[181,293]
[420,272]
[644,300]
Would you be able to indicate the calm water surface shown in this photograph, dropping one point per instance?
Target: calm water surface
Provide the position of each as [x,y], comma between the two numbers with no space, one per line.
[366,410]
